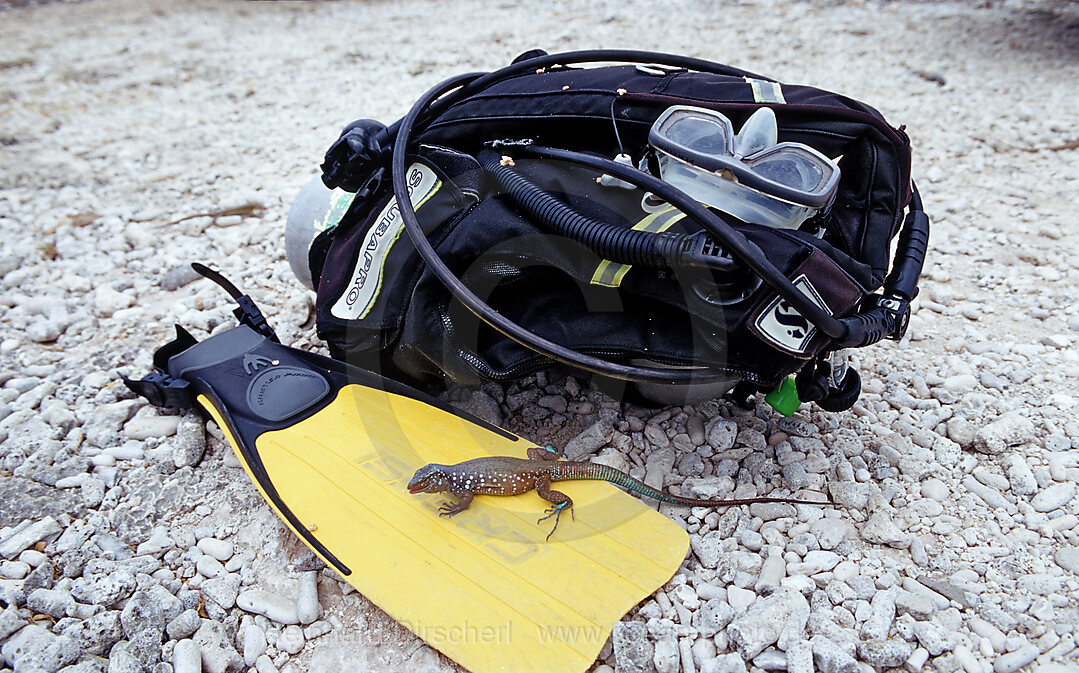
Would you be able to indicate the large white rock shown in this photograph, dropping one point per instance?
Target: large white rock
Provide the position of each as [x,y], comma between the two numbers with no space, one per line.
[783,615]
[272,606]
[1054,497]
[146,426]
[1010,430]
[28,536]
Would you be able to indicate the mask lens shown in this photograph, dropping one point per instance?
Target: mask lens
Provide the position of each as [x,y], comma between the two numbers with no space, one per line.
[792,169]
[697,133]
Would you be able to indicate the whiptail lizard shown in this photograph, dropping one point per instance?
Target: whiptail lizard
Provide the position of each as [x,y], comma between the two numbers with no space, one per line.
[505,475]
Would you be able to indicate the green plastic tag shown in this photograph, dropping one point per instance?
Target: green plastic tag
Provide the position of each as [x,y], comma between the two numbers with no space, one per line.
[784,399]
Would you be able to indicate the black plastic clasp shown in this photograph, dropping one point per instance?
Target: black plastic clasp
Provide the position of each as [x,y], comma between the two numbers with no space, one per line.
[163,390]
[898,310]
[248,313]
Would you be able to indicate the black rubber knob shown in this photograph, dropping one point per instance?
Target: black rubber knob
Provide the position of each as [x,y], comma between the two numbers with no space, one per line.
[354,156]
[845,396]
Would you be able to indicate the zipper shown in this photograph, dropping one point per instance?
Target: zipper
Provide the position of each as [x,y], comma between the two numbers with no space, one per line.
[518,370]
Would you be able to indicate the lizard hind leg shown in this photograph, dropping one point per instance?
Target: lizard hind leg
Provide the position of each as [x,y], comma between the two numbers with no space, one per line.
[560,500]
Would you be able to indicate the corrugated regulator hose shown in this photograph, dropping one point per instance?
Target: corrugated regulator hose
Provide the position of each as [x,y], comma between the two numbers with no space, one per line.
[621,245]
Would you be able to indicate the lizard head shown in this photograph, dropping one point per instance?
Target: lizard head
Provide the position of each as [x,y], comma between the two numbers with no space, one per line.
[428,479]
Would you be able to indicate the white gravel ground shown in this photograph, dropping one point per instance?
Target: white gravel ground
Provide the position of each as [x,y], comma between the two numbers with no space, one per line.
[124,126]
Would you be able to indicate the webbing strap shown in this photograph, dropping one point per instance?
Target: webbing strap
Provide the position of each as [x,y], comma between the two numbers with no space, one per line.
[765,91]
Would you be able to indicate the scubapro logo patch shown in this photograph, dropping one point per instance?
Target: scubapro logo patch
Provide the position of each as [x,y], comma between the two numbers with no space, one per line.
[361,292]
[784,327]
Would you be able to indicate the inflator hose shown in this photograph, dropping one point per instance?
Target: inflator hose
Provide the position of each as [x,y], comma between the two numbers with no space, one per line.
[910,251]
[622,245]
[888,319]
[746,251]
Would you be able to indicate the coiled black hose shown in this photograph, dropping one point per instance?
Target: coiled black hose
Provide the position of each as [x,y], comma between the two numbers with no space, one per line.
[612,242]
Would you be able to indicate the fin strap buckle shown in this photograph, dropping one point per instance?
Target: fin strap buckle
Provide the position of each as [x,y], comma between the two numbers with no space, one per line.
[163,390]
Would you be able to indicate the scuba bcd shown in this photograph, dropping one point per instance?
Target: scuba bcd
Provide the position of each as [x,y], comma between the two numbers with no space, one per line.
[498,180]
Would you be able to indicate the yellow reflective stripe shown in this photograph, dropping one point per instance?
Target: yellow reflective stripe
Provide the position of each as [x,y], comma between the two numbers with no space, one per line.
[766,92]
[438,186]
[609,274]
[619,274]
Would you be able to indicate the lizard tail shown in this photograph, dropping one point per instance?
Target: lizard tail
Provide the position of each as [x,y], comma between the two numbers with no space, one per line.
[600,472]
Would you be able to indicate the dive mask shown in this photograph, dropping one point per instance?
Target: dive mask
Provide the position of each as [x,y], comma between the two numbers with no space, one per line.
[746,174]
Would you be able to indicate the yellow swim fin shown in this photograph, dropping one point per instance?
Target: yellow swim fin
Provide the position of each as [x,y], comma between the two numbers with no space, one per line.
[331,448]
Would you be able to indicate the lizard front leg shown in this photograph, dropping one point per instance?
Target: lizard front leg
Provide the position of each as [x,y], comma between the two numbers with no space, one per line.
[560,500]
[449,509]
[546,453]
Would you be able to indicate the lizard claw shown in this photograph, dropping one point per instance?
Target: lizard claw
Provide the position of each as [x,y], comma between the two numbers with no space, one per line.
[551,511]
[556,512]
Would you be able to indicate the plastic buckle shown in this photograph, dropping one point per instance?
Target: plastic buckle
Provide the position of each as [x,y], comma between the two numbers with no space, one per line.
[248,313]
[374,181]
[898,310]
[163,390]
